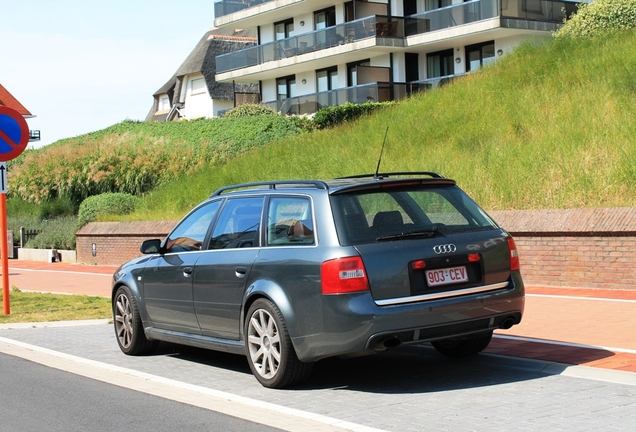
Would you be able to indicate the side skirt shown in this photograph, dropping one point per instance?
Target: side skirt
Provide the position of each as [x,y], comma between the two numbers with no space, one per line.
[198,341]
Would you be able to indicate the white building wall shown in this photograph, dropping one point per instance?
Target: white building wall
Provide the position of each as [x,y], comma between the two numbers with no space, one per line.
[197,99]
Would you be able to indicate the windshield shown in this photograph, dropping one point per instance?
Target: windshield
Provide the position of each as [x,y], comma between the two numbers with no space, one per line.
[398,213]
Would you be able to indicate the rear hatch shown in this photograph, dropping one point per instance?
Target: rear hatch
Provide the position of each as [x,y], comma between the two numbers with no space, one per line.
[422,241]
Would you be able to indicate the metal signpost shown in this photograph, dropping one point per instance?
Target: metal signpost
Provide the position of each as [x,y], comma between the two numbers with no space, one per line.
[14,137]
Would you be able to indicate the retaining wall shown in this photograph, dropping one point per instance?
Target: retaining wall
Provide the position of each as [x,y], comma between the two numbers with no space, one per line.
[588,248]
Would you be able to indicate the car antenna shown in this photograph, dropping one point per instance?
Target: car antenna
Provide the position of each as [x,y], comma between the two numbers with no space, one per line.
[377,170]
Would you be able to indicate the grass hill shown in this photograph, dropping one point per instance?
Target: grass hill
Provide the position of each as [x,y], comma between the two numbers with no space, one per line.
[551,125]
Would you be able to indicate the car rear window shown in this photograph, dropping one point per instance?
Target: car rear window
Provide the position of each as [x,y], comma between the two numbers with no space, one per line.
[394,213]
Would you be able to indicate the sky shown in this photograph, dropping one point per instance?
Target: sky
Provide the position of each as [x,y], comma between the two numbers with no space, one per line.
[83,65]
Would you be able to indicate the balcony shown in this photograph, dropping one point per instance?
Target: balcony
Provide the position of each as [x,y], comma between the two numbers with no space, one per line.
[226,7]
[373,92]
[451,16]
[341,34]
[477,10]
[34,135]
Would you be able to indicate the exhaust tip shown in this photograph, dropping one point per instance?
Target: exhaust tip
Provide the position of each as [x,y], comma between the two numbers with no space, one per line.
[392,342]
[507,323]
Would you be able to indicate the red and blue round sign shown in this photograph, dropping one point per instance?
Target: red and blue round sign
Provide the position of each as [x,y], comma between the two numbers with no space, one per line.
[14,134]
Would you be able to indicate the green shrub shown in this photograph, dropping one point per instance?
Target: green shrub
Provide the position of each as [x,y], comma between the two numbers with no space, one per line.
[57,208]
[56,234]
[599,17]
[105,204]
[331,116]
[249,110]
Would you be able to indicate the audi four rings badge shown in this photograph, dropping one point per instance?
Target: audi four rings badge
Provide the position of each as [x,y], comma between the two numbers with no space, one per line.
[442,249]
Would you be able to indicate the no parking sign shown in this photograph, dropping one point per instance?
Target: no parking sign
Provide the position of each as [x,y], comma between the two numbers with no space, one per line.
[14,137]
[14,134]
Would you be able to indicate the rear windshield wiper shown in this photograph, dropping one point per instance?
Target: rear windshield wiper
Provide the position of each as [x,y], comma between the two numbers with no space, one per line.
[412,234]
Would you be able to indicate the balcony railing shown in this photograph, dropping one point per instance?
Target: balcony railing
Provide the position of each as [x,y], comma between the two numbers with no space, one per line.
[538,10]
[451,16]
[353,31]
[226,7]
[34,135]
[374,92]
[477,10]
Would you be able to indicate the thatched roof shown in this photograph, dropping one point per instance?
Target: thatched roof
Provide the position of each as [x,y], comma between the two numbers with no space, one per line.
[203,59]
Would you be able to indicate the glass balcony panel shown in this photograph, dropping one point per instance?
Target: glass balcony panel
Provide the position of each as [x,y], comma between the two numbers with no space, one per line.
[451,16]
[226,7]
[538,10]
[374,92]
[353,31]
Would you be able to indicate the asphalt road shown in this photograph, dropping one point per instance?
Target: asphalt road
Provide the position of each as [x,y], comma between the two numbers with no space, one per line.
[407,389]
[39,398]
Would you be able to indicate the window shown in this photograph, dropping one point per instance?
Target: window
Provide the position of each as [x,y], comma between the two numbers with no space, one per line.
[238,224]
[191,232]
[436,4]
[164,103]
[373,216]
[324,18]
[284,29]
[290,222]
[352,71]
[327,79]
[198,86]
[480,54]
[440,64]
[286,87]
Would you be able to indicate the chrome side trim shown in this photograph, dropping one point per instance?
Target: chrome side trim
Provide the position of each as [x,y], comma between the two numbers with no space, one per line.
[441,295]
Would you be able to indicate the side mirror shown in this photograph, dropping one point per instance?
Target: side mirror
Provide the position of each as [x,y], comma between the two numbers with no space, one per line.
[150,246]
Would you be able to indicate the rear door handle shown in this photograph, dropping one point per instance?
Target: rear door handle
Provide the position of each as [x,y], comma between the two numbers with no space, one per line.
[187,272]
[240,271]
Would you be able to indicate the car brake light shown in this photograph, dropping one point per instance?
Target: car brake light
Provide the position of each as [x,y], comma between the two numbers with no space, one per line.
[418,265]
[344,275]
[474,257]
[515,265]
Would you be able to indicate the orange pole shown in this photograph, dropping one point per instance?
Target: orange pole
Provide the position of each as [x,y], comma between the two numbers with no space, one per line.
[5,254]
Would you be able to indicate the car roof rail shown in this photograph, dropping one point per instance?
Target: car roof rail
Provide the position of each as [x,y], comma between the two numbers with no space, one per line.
[318,184]
[380,176]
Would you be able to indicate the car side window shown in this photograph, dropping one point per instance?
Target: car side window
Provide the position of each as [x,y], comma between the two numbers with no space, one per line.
[238,224]
[190,233]
[290,222]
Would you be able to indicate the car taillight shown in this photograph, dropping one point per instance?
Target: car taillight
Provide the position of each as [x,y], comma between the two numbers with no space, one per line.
[514,255]
[344,275]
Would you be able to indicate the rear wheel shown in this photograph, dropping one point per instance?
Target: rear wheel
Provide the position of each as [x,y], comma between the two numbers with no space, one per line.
[128,326]
[456,348]
[270,353]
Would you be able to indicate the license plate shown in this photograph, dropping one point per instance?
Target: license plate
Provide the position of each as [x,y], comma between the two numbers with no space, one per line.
[446,276]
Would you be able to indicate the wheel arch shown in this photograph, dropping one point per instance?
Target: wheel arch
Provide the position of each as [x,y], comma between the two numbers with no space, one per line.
[274,293]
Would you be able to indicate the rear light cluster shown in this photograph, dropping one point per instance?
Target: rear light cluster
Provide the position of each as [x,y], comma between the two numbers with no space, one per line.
[514,255]
[343,276]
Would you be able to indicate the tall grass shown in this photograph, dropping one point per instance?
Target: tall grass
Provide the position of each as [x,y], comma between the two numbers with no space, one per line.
[551,125]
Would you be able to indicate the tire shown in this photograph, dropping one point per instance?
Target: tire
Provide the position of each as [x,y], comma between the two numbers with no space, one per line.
[128,326]
[269,350]
[457,348]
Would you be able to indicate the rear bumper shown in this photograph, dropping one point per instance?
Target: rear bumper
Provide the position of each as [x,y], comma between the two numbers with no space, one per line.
[355,323]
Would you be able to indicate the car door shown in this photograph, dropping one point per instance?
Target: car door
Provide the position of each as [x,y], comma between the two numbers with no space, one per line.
[222,272]
[167,279]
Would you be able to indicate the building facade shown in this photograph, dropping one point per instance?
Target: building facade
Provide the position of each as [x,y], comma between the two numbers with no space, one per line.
[315,53]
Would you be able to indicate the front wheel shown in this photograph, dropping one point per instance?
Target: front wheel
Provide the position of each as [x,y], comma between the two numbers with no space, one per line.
[128,326]
[270,353]
[456,348]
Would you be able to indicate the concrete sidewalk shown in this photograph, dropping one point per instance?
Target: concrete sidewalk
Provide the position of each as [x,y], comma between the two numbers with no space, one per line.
[567,325]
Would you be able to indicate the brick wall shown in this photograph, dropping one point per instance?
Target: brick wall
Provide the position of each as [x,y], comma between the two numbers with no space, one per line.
[590,248]
[116,242]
